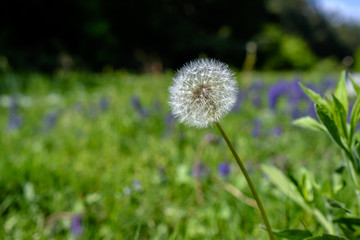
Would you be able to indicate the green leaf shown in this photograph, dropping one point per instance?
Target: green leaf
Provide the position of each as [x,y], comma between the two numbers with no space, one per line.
[356,87]
[289,189]
[317,99]
[355,117]
[329,124]
[349,221]
[326,237]
[293,234]
[340,116]
[341,91]
[356,161]
[309,123]
[336,204]
[285,185]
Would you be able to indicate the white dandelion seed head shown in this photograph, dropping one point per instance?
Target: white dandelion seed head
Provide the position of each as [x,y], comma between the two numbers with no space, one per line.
[203,91]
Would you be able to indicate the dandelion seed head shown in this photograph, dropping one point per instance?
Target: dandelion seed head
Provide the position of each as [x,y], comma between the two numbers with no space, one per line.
[203,91]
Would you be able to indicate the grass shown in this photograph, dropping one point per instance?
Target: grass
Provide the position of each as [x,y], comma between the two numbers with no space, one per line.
[128,173]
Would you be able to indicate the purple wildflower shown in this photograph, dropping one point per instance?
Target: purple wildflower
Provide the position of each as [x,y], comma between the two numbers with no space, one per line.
[169,124]
[311,110]
[157,105]
[327,83]
[239,99]
[76,225]
[104,104]
[199,169]
[50,120]
[255,93]
[223,169]
[256,128]
[135,101]
[15,121]
[275,91]
[277,131]
[136,185]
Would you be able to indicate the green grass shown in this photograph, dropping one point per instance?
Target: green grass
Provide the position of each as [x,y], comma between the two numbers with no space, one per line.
[88,161]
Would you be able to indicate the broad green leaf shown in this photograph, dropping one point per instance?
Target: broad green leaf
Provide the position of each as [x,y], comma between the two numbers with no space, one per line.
[349,221]
[355,117]
[340,116]
[285,185]
[309,123]
[356,87]
[326,237]
[293,234]
[289,189]
[341,91]
[329,124]
[317,99]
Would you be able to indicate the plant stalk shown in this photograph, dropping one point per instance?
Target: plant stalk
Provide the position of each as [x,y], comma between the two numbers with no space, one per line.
[250,184]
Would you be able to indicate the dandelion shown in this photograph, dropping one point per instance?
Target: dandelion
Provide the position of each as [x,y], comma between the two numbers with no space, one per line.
[203,91]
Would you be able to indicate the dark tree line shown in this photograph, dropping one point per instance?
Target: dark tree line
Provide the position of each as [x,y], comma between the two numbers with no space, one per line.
[138,34]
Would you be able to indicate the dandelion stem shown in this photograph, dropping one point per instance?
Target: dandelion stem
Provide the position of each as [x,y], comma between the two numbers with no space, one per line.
[251,185]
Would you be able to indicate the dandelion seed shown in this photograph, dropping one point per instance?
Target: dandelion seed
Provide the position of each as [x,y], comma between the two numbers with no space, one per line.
[203,91]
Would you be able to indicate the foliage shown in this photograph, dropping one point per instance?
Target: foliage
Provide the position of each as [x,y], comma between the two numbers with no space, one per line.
[339,121]
[98,156]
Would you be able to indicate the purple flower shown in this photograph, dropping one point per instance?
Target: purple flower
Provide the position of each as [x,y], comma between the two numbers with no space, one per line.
[104,104]
[15,121]
[50,120]
[199,169]
[327,83]
[275,91]
[223,169]
[311,110]
[277,131]
[136,185]
[169,124]
[76,225]
[256,128]
[239,99]
[157,105]
[135,101]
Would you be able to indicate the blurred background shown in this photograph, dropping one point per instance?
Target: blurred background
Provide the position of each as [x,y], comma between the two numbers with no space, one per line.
[90,150]
[156,35]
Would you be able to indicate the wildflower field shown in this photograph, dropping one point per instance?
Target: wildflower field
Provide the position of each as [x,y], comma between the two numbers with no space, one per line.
[100,156]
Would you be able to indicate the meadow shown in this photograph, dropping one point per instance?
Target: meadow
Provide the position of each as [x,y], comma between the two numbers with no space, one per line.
[99,156]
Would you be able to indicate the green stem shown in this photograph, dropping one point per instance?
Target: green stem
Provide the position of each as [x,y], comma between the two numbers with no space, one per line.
[354,179]
[251,185]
